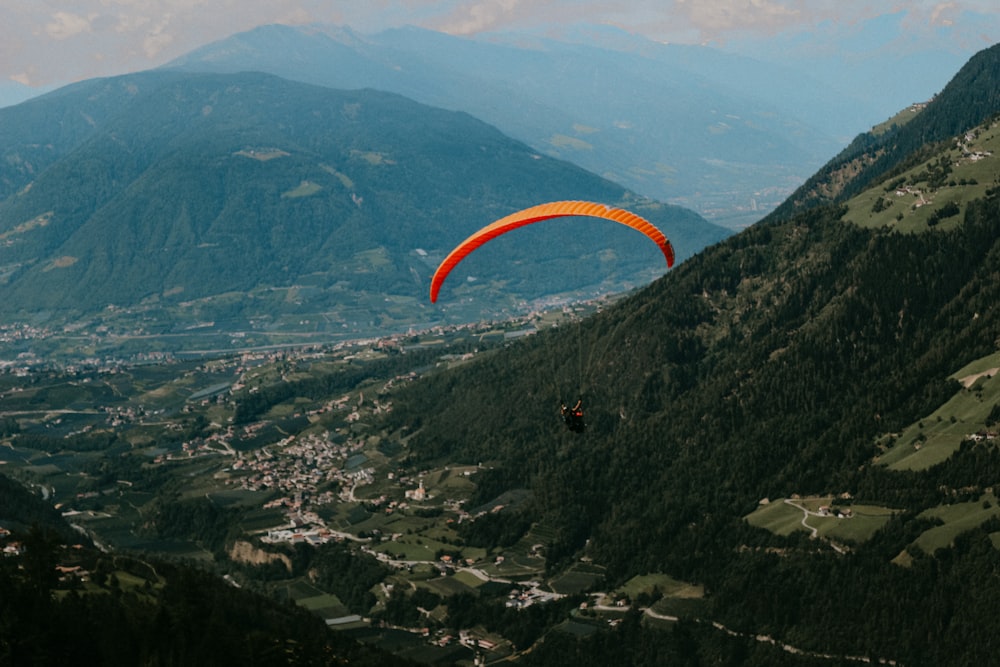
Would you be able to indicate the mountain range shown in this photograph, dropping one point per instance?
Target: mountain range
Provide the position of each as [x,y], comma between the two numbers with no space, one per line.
[728,137]
[251,201]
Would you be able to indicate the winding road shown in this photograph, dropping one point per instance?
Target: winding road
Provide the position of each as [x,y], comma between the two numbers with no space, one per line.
[813,531]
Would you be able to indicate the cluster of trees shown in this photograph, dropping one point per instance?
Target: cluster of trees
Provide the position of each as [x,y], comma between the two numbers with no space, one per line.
[199,519]
[147,610]
[497,529]
[9,426]
[949,210]
[92,441]
[180,616]
[348,574]
[935,611]
[407,609]
[687,643]
[21,508]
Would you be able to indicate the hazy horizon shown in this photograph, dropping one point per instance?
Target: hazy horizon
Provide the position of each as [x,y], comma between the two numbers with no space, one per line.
[43,47]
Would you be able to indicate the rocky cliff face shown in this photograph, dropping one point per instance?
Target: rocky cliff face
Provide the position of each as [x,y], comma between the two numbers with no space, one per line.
[244,552]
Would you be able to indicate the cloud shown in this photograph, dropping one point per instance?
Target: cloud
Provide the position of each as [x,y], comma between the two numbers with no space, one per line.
[65,25]
[129,23]
[22,78]
[156,42]
[939,15]
[700,20]
[481,16]
[714,17]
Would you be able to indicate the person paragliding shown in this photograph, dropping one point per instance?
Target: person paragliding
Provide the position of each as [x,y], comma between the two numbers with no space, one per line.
[573,417]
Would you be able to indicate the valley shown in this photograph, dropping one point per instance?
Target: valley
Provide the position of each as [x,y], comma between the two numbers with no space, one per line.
[239,463]
[176,460]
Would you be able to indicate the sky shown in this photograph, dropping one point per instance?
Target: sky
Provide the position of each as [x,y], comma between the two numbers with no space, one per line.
[44,43]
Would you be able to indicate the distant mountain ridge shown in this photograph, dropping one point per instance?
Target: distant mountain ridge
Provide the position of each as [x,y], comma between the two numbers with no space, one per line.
[725,136]
[231,198]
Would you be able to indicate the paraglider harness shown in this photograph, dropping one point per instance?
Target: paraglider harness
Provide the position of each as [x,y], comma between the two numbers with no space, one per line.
[573,417]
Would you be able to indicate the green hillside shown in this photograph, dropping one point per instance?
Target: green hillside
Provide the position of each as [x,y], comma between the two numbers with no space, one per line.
[935,191]
[253,205]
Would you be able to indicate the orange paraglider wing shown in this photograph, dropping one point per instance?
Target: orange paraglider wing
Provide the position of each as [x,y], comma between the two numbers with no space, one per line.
[541,212]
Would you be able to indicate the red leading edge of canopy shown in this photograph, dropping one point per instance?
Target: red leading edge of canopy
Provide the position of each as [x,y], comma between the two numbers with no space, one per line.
[542,212]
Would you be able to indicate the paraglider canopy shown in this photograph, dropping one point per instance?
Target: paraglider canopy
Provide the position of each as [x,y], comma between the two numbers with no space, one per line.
[547,211]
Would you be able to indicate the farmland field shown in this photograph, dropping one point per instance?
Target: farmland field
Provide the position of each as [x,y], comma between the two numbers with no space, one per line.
[938,435]
[825,517]
[956,519]
[579,578]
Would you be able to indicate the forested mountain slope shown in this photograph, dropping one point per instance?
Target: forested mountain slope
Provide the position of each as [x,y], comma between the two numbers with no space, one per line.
[784,361]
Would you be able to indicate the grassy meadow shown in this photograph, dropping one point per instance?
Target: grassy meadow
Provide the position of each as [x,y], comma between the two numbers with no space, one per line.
[823,517]
[938,435]
[912,201]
